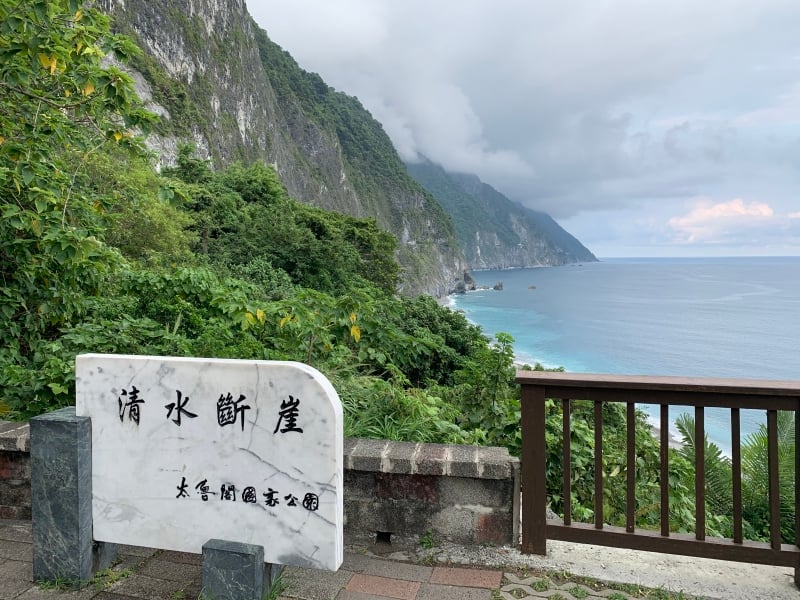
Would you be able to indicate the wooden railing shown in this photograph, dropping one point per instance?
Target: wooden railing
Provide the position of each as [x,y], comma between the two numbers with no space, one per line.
[700,393]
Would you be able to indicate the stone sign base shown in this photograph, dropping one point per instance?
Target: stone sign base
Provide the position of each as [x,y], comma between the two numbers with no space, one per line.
[61,494]
[236,571]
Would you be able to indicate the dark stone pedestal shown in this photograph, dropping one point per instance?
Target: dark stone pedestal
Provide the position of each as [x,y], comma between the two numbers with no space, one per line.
[236,571]
[61,500]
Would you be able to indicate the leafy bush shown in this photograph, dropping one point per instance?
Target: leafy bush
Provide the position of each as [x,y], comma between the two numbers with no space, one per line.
[99,253]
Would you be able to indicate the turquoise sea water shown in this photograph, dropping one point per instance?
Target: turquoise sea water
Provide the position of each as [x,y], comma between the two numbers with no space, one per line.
[707,317]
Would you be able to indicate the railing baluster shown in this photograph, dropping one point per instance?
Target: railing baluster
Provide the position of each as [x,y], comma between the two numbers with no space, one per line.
[736,468]
[664,456]
[630,509]
[797,487]
[598,465]
[734,395]
[774,488]
[533,469]
[566,461]
[700,472]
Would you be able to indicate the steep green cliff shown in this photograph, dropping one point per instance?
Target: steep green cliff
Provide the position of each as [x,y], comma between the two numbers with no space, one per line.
[218,81]
[493,231]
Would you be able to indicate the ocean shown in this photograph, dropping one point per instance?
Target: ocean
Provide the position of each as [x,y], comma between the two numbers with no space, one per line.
[706,317]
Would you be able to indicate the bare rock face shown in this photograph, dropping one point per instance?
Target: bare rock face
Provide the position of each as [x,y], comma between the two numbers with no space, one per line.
[219,82]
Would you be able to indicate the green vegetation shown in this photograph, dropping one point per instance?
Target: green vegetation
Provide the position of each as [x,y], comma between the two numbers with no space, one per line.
[428,540]
[719,502]
[105,578]
[371,162]
[755,479]
[325,140]
[466,209]
[100,253]
[491,228]
[366,146]
[59,107]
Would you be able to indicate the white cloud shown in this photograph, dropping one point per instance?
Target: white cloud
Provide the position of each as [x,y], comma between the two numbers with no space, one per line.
[581,107]
[708,222]
[783,111]
[795,215]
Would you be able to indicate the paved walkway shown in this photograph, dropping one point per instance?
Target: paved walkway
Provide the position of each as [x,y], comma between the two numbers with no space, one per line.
[144,573]
[154,574]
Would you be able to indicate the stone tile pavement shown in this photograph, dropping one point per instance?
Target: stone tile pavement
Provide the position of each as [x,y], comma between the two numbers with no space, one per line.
[358,581]
[515,587]
[144,573]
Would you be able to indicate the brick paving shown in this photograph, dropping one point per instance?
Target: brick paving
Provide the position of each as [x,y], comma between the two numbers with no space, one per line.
[144,574]
[476,578]
[365,577]
[383,587]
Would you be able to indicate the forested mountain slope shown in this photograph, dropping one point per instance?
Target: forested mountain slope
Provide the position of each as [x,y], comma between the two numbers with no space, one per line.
[493,231]
[217,80]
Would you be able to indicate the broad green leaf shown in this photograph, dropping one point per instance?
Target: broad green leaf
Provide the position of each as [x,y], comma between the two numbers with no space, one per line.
[26,173]
[57,388]
[10,210]
[44,60]
[40,10]
[165,194]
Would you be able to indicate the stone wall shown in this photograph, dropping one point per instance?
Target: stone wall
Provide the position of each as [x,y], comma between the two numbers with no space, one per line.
[462,494]
[392,490]
[15,471]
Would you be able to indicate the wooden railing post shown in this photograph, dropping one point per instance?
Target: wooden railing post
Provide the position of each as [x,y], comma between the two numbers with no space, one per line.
[797,488]
[534,463]
[774,492]
[699,473]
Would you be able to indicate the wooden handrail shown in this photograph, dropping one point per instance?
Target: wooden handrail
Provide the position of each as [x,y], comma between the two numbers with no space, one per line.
[700,393]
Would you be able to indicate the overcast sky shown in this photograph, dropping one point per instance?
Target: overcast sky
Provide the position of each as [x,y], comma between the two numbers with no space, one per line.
[645,127]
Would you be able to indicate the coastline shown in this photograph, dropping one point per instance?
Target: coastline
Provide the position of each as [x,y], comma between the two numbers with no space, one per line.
[578,320]
[674,442]
[445,301]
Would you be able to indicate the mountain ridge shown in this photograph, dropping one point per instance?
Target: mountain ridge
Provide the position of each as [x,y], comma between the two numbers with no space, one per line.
[494,231]
[220,83]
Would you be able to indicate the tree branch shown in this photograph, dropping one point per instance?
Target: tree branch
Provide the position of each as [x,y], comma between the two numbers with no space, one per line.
[44,99]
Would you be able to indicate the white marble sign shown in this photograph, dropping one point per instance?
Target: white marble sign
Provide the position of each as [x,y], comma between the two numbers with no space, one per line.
[189,449]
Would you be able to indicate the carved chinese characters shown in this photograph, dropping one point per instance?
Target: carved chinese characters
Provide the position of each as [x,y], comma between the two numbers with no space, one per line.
[185,450]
